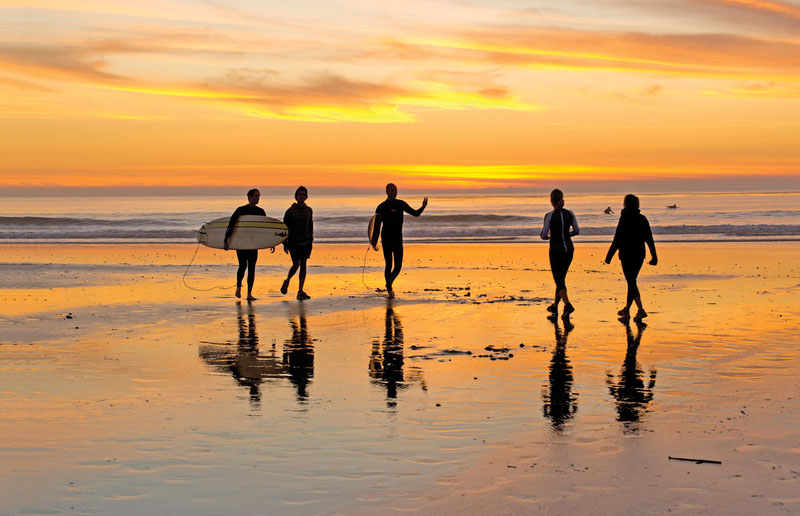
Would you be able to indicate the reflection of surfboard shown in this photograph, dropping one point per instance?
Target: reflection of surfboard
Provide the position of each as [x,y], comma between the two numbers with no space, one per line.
[373,239]
[250,232]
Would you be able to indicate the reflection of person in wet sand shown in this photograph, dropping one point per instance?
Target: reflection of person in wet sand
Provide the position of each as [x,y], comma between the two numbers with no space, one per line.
[386,359]
[244,361]
[298,354]
[629,391]
[560,404]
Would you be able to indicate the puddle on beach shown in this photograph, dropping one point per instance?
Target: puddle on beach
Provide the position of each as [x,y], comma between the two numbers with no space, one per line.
[350,402]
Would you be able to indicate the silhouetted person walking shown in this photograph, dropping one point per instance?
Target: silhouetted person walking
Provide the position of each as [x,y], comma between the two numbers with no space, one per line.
[557,224]
[247,257]
[633,232]
[390,216]
[299,218]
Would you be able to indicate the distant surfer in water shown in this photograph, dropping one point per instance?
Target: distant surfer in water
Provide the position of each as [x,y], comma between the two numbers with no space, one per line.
[633,232]
[247,257]
[390,216]
[299,219]
[556,228]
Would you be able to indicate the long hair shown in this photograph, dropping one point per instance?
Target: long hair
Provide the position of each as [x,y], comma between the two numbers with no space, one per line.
[557,198]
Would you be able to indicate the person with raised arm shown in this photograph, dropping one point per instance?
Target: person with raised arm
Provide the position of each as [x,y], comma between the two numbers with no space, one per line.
[389,224]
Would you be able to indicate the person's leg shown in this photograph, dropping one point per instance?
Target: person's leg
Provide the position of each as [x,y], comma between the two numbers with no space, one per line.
[555,272]
[631,268]
[241,256]
[303,254]
[302,276]
[292,269]
[398,261]
[251,273]
[387,270]
[567,261]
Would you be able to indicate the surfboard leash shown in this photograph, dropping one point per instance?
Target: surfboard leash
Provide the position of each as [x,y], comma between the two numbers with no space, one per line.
[187,270]
[371,290]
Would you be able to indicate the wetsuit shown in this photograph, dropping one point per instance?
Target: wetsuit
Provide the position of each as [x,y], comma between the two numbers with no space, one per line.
[391,218]
[247,257]
[633,232]
[556,226]
[299,220]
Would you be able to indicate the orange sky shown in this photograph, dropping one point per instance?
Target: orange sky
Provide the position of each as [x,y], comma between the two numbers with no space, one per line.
[431,93]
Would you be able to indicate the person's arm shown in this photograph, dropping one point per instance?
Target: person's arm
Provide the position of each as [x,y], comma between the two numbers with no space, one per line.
[231,224]
[416,213]
[545,234]
[575,229]
[614,244]
[648,238]
[310,225]
[286,240]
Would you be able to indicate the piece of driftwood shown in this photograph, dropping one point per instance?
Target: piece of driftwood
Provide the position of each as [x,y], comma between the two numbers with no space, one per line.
[697,461]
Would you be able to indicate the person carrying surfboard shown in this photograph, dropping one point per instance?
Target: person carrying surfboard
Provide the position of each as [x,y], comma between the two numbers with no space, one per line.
[247,257]
[389,215]
[556,228]
[299,218]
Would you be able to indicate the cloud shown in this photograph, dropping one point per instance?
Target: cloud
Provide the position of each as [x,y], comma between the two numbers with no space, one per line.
[703,55]
[330,96]
[55,62]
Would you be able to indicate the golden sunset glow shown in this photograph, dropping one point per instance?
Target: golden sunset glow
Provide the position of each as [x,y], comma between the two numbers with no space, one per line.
[429,94]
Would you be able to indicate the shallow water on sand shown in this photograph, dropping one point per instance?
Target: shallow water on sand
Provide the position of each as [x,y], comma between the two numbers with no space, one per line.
[175,402]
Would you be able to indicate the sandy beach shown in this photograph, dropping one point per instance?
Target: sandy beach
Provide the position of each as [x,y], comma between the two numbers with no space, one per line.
[124,391]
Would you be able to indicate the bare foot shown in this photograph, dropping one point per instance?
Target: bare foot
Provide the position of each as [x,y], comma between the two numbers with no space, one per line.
[238,292]
[250,297]
[390,294]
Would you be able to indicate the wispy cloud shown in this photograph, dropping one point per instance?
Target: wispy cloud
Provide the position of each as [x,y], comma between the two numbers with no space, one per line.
[703,55]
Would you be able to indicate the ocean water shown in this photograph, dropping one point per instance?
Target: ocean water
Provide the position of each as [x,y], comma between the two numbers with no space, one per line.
[448,218]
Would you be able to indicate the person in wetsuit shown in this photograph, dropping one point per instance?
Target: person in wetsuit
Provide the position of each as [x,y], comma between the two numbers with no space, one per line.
[633,232]
[390,216]
[247,257]
[299,219]
[556,228]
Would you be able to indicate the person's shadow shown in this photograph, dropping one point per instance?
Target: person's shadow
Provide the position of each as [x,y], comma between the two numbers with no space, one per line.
[248,366]
[298,354]
[560,403]
[628,389]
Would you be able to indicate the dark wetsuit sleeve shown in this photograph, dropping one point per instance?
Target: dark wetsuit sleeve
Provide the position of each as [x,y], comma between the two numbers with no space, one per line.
[232,223]
[614,244]
[648,237]
[411,211]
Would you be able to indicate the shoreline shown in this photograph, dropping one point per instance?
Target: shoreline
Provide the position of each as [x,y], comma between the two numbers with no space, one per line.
[168,400]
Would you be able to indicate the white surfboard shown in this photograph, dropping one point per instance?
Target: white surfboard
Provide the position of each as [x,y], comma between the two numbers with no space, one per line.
[250,232]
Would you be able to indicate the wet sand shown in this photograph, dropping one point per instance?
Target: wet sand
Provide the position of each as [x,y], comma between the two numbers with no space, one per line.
[124,392]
